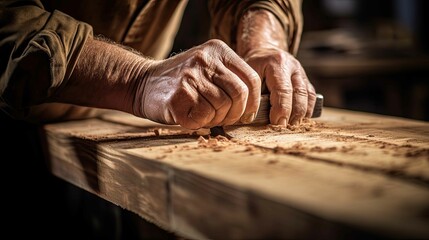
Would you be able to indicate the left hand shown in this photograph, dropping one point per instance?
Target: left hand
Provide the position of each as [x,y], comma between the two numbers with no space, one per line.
[265,45]
[292,96]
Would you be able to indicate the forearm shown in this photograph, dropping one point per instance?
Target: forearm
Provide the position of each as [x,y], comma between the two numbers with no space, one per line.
[105,76]
[257,29]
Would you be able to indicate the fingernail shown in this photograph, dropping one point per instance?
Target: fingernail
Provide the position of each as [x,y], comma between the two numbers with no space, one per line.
[282,121]
[295,121]
[247,118]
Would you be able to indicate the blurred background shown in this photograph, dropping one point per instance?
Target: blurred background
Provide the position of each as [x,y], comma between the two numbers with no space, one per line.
[363,55]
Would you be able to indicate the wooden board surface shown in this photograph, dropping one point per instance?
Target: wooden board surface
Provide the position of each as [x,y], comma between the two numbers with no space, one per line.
[345,174]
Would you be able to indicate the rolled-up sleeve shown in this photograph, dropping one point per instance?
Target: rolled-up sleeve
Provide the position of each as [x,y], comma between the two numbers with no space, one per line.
[226,14]
[38,51]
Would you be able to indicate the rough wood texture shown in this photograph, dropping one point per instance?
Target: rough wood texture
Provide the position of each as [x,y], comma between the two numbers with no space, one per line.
[347,174]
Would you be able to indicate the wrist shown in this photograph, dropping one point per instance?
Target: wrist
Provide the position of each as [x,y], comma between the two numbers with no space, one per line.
[139,87]
[259,28]
[106,76]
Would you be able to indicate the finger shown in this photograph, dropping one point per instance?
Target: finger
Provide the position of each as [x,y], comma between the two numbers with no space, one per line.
[218,99]
[245,73]
[194,112]
[235,89]
[202,113]
[311,100]
[252,80]
[300,97]
[281,93]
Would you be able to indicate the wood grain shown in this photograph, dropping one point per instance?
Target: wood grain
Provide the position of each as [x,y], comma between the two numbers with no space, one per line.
[349,175]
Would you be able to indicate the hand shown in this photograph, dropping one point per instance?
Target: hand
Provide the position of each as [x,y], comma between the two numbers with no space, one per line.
[206,86]
[292,96]
[264,43]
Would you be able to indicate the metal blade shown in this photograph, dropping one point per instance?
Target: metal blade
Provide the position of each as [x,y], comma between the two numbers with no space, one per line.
[263,115]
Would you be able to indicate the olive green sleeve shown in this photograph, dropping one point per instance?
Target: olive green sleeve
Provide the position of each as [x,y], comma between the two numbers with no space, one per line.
[226,14]
[38,51]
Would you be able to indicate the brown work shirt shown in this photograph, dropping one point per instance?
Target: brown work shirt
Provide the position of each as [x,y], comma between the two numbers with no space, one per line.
[40,41]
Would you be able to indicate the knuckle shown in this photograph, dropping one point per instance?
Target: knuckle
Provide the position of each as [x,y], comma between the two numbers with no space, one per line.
[283,58]
[312,95]
[221,47]
[284,91]
[291,60]
[217,43]
[296,63]
[279,56]
[229,57]
[201,56]
[187,73]
[188,81]
[301,91]
[254,80]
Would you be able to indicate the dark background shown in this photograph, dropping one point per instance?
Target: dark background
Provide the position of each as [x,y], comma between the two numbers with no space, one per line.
[361,55]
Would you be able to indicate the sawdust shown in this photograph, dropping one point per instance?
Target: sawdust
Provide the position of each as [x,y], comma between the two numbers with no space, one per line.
[158,132]
[417,153]
[217,144]
[249,148]
[179,131]
[397,150]
[299,149]
[294,150]
[306,125]
[272,161]
[220,143]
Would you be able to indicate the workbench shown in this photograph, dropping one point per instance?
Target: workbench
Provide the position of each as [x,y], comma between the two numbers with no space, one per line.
[344,175]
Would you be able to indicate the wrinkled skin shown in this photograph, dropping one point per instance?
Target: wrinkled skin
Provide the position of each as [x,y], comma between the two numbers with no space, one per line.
[292,96]
[262,42]
[210,85]
[206,86]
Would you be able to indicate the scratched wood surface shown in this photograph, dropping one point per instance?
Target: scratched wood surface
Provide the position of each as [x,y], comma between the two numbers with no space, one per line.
[346,174]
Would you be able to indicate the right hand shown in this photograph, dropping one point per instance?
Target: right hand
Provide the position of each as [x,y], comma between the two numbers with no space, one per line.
[208,85]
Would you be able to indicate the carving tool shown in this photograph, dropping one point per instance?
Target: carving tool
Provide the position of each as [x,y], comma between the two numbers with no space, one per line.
[263,115]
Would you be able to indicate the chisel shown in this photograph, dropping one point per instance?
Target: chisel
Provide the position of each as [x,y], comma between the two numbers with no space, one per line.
[263,115]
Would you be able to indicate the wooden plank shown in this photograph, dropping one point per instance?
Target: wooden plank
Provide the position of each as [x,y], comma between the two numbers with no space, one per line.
[81,158]
[375,143]
[351,175]
[366,141]
[340,194]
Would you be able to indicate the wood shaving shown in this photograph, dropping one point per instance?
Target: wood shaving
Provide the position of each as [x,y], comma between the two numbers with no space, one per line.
[166,131]
[396,150]
[249,148]
[296,150]
[299,149]
[305,126]
[417,153]
[321,149]
[218,143]
[272,161]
